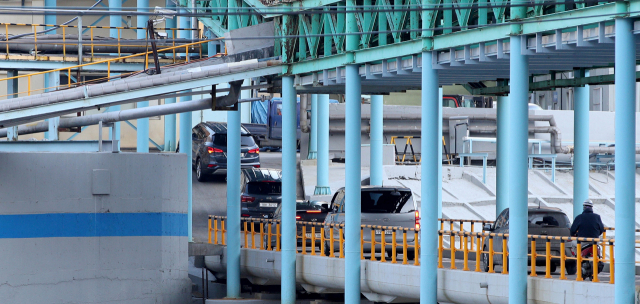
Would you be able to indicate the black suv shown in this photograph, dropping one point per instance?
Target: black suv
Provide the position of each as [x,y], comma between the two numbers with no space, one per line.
[261,191]
[209,144]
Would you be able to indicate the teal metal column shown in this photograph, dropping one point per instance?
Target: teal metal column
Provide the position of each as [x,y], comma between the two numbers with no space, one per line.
[376,148]
[114,21]
[518,123]
[289,243]
[430,161]
[581,149]
[502,157]
[185,142]
[53,81]
[50,19]
[170,120]
[12,92]
[439,188]
[313,133]
[142,124]
[352,185]
[625,58]
[322,186]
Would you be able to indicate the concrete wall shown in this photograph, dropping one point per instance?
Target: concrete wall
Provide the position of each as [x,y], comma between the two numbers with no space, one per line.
[93,228]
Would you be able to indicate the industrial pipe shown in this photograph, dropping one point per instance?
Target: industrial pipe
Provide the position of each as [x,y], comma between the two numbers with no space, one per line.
[53,45]
[109,117]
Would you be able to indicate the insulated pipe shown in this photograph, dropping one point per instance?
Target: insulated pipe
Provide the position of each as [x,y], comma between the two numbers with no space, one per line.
[375,146]
[430,160]
[517,170]
[313,136]
[322,187]
[52,45]
[580,148]
[502,136]
[289,243]
[625,85]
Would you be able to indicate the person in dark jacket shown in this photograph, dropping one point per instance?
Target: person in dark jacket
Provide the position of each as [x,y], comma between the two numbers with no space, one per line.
[587,224]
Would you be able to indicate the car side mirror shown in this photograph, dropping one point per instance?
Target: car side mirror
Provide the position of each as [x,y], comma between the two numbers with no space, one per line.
[325,206]
[487,227]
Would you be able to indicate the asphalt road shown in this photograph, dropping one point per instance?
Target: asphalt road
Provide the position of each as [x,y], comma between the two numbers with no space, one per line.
[210,197]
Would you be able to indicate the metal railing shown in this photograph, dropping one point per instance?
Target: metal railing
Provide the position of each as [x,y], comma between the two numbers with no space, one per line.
[33,30]
[68,70]
[265,234]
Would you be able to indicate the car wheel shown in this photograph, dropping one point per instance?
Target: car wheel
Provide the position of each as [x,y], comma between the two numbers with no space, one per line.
[326,249]
[411,255]
[484,260]
[553,268]
[571,268]
[389,254]
[199,174]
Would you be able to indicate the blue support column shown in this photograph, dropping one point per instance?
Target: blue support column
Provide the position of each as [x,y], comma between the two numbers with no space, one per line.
[581,149]
[185,141]
[114,21]
[313,133]
[439,189]
[289,243]
[142,134]
[625,82]
[518,123]
[502,158]
[431,160]
[12,92]
[233,203]
[322,187]
[375,148]
[50,19]
[352,187]
[170,120]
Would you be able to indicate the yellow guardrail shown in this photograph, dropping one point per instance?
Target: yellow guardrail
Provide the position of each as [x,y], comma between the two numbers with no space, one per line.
[33,29]
[107,61]
[471,243]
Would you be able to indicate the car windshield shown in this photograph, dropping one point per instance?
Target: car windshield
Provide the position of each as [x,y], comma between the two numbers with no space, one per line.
[308,205]
[548,219]
[264,188]
[384,201]
[245,140]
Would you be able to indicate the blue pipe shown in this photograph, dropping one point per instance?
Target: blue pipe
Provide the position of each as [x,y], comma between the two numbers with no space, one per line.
[625,85]
[142,135]
[313,134]
[502,158]
[439,188]
[170,120]
[581,149]
[518,123]
[185,135]
[430,141]
[352,187]
[322,187]
[375,148]
[289,244]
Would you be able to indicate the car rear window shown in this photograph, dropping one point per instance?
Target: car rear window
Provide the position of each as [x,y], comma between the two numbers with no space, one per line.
[264,188]
[549,219]
[246,140]
[306,205]
[387,201]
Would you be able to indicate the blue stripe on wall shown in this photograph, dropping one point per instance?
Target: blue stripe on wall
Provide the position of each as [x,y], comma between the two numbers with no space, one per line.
[92,225]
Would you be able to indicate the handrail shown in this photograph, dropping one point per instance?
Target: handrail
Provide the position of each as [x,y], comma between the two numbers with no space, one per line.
[107,61]
[311,236]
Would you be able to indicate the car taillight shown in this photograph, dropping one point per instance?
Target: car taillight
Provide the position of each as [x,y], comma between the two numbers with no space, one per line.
[247,199]
[214,150]
[256,166]
[245,215]
[417,220]
[256,151]
[212,165]
[314,211]
[298,217]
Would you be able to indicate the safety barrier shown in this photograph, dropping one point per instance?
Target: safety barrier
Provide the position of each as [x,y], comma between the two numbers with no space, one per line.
[312,239]
[32,30]
[103,79]
[408,145]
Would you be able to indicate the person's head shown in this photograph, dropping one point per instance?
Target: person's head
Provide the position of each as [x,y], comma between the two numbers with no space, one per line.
[588,204]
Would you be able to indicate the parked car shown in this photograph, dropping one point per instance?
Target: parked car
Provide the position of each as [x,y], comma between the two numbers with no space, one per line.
[261,191]
[209,145]
[306,211]
[382,206]
[541,221]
